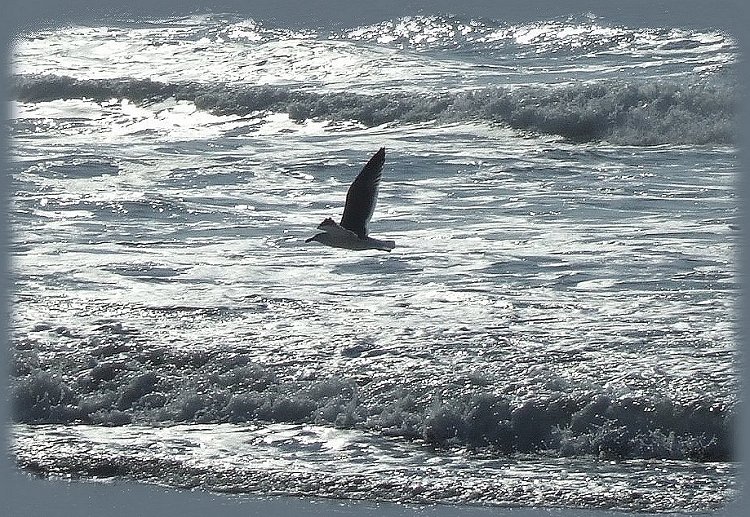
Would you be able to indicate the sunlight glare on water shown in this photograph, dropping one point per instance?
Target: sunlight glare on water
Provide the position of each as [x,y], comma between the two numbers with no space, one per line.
[555,326]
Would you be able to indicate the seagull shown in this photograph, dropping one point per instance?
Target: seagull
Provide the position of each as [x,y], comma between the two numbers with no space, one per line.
[351,234]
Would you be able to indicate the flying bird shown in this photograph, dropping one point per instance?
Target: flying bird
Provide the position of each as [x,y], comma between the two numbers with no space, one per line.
[351,233]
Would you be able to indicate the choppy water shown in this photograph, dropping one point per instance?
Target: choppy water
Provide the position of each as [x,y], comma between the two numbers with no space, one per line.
[555,326]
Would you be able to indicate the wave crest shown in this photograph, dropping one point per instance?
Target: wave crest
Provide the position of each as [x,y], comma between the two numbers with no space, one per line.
[629,113]
[166,386]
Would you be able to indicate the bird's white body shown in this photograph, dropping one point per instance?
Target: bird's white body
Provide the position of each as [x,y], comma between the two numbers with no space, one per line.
[337,236]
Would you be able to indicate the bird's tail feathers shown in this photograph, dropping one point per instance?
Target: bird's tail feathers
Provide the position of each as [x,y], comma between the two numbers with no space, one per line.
[386,245]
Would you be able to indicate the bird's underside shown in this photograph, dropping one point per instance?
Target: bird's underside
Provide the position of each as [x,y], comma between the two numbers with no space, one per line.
[337,236]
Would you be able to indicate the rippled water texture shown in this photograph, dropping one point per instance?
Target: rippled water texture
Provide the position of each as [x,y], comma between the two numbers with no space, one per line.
[555,326]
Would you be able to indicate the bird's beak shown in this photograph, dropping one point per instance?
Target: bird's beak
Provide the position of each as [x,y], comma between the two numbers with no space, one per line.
[310,239]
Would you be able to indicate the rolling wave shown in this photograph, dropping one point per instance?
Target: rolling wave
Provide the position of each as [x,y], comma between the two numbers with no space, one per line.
[162,385]
[621,112]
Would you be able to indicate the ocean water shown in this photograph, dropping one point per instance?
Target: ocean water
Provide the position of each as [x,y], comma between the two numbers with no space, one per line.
[555,327]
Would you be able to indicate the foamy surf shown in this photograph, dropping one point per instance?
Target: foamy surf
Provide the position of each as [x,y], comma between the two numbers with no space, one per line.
[555,327]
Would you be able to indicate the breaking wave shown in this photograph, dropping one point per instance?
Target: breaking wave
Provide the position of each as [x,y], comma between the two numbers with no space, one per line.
[628,113]
[578,34]
[117,383]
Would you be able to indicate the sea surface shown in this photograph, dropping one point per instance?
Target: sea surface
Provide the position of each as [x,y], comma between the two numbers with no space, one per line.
[556,326]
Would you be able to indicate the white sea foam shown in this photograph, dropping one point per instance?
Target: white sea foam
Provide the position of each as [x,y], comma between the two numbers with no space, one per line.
[561,296]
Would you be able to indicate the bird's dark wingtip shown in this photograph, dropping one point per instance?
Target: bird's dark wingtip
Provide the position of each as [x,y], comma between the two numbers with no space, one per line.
[378,157]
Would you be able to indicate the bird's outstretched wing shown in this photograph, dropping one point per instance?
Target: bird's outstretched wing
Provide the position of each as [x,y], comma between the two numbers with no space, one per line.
[362,196]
